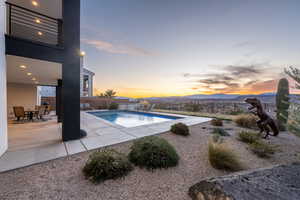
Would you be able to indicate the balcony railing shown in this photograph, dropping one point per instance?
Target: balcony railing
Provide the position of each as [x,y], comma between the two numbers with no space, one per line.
[30,25]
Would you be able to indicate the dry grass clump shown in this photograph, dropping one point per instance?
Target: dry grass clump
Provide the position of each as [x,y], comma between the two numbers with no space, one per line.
[246,121]
[216,122]
[248,137]
[221,157]
[263,149]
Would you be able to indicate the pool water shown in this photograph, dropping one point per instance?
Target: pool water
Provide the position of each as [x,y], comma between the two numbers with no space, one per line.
[132,118]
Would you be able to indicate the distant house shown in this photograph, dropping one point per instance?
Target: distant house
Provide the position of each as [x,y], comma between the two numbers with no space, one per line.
[86,85]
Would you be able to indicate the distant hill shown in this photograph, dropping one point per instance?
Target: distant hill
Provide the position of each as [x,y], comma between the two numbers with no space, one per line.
[265,97]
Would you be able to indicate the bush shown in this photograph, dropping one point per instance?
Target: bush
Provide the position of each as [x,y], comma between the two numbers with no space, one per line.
[153,152]
[180,129]
[246,121]
[220,157]
[249,137]
[216,122]
[107,164]
[262,149]
[113,106]
[220,131]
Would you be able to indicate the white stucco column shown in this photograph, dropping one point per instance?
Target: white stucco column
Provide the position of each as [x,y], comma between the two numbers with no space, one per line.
[3,107]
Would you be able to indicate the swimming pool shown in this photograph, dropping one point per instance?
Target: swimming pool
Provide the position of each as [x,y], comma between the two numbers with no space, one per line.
[132,118]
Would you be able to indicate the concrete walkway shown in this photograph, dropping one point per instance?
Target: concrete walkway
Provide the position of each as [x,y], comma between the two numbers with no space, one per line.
[101,133]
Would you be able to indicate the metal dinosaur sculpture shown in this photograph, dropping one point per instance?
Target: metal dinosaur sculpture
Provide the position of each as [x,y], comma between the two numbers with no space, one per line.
[265,122]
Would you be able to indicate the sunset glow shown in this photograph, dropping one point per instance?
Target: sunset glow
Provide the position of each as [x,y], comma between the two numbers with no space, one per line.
[156,48]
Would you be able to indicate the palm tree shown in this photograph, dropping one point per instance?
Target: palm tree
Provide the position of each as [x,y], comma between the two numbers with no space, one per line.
[110,93]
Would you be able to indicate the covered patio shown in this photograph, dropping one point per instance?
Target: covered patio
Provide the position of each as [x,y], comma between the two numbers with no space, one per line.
[37,127]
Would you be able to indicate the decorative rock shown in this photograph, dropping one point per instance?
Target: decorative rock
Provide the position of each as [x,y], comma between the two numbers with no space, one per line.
[277,183]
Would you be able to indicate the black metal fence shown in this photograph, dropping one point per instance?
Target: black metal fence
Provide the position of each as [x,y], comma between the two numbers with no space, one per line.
[30,25]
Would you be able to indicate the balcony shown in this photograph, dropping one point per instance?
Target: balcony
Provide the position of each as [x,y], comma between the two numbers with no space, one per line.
[33,26]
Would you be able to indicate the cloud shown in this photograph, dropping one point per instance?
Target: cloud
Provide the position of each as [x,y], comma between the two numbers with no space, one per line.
[242,71]
[116,48]
[243,44]
[251,78]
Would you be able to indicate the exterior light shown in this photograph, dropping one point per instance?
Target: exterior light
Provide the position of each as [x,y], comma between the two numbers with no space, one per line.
[82,53]
[34,79]
[38,21]
[22,66]
[40,33]
[29,74]
[35,3]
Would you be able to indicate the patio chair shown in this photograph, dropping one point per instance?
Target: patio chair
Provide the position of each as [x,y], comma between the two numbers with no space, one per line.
[47,109]
[19,112]
[41,112]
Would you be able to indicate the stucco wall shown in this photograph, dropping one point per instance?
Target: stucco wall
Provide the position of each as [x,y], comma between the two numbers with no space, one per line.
[21,95]
[3,114]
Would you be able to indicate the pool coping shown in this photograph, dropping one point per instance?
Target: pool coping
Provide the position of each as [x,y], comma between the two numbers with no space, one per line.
[100,133]
[119,126]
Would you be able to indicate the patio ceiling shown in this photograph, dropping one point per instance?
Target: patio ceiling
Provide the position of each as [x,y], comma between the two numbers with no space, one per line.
[51,8]
[32,71]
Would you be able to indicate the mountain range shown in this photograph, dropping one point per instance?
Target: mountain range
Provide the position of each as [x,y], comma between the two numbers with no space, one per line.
[266,97]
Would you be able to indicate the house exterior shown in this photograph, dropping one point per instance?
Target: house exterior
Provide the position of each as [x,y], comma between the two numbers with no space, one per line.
[86,85]
[40,45]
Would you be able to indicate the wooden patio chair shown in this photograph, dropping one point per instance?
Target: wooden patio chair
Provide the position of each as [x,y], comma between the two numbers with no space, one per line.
[19,112]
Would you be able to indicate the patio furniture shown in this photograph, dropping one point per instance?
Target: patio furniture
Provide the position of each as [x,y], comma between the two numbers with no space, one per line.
[19,112]
[41,112]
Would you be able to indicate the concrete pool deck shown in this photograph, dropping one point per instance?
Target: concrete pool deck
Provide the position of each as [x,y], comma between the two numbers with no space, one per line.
[100,133]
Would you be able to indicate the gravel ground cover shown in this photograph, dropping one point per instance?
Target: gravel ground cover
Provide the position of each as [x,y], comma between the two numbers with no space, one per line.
[63,178]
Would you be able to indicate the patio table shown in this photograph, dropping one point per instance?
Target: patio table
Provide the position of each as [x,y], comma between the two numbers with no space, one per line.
[30,114]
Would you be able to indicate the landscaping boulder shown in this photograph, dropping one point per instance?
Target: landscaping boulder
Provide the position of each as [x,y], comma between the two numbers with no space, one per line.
[277,183]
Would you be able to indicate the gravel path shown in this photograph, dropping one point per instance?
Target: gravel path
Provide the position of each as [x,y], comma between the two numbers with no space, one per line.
[62,179]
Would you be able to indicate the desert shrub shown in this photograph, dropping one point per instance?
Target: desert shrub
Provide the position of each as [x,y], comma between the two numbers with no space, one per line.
[217,138]
[107,164]
[220,157]
[262,149]
[248,137]
[153,152]
[246,121]
[216,122]
[113,106]
[180,129]
[220,131]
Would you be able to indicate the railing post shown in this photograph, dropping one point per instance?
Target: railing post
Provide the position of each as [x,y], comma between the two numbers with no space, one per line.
[9,19]
[59,33]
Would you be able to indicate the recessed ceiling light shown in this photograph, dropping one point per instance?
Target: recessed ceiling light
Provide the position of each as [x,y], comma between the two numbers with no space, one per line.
[82,53]
[29,74]
[35,3]
[40,33]
[22,66]
[34,79]
[38,21]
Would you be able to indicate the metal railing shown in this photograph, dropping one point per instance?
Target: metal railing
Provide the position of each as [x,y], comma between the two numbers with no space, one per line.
[30,25]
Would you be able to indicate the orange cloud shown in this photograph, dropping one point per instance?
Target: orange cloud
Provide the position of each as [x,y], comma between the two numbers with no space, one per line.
[117,49]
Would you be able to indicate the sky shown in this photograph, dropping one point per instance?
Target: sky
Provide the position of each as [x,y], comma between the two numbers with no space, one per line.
[147,48]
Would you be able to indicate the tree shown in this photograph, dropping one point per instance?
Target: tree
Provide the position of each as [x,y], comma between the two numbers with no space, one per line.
[294,73]
[294,125]
[110,93]
[282,101]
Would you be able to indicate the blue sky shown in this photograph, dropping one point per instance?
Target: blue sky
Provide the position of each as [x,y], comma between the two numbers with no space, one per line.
[177,47]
